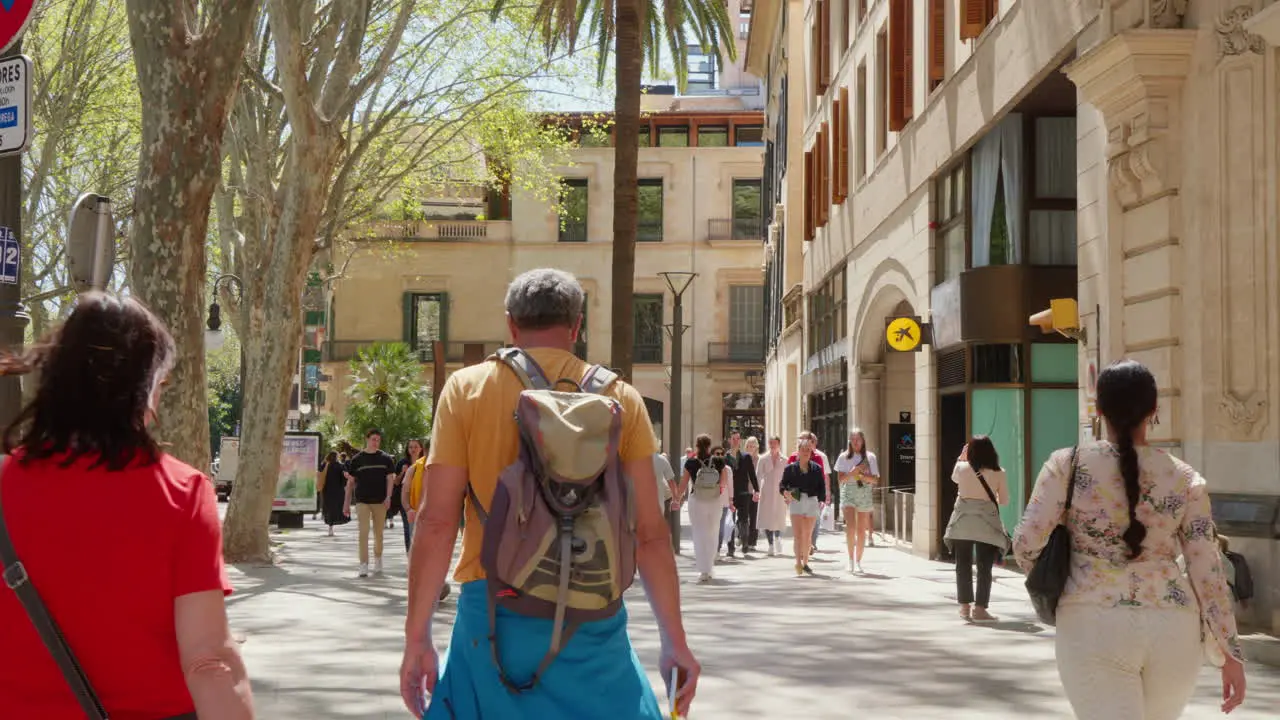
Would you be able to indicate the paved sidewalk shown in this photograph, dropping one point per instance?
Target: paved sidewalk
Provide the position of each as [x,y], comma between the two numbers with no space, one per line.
[321,643]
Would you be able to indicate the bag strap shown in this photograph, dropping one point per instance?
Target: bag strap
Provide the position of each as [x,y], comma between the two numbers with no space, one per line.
[985,486]
[1071,479]
[598,379]
[525,368]
[17,580]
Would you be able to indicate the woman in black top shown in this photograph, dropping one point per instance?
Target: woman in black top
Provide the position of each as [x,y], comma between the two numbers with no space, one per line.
[704,503]
[803,485]
[333,489]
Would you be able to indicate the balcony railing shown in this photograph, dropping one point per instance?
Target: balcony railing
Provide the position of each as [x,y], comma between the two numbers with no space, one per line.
[737,353]
[735,229]
[649,231]
[648,354]
[573,232]
[456,351]
[433,229]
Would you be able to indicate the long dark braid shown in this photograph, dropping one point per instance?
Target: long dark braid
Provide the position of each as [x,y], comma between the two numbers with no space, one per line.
[1127,396]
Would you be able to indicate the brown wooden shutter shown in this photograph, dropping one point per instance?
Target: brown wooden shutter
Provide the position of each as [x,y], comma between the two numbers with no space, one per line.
[908,60]
[824,48]
[846,25]
[862,10]
[824,154]
[897,65]
[808,195]
[815,49]
[937,42]
[842,163]
[835,151]
[973,18]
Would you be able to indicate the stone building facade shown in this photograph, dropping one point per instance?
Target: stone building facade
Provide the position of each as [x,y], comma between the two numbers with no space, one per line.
[966,161]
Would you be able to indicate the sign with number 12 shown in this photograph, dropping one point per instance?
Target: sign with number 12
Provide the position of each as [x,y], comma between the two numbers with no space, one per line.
[9,256]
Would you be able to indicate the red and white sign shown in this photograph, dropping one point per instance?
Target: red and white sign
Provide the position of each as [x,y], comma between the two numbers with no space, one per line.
[14,16]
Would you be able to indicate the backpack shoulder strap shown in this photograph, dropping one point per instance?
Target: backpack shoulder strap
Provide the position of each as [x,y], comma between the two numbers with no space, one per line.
[16,578]
[598,379]
[524,366]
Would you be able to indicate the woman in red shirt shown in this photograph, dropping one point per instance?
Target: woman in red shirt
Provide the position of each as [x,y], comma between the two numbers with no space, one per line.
[134,578]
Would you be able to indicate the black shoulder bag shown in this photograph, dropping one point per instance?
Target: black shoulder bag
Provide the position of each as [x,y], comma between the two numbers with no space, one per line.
[16,579]
[1048,577]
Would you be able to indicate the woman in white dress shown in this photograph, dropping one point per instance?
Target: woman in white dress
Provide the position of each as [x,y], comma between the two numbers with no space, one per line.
[772,515]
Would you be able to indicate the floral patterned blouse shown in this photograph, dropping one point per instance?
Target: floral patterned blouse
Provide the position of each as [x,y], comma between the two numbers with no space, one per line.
[1174,506]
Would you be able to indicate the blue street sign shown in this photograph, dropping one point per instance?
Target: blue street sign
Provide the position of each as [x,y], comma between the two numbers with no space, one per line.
[10,255]
[8,117]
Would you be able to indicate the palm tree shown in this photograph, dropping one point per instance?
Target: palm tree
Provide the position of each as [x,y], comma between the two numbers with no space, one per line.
[636,29]
[387,393]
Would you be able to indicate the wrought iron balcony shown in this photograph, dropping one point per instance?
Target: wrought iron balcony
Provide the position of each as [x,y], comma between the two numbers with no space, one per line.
[436,229]
[750,228]
[736,353]
[647,354]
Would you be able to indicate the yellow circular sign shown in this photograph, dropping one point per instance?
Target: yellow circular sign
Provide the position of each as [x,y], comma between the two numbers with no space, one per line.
[904,334]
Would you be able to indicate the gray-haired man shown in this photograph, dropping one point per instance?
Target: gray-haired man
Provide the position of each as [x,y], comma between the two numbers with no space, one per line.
[473,439]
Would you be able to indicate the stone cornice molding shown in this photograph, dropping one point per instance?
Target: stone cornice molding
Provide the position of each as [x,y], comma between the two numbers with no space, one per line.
[1266,24]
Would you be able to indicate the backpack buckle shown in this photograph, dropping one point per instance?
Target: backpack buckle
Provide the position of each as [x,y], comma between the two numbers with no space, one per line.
[15,576]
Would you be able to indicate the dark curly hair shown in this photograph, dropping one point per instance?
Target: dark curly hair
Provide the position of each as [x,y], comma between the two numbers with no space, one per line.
[1127,396]
[98,374]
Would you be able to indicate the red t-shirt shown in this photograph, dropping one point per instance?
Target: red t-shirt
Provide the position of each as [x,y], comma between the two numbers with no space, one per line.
[108,553]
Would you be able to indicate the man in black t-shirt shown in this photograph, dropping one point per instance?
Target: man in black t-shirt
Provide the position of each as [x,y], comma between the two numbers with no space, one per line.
[371,476]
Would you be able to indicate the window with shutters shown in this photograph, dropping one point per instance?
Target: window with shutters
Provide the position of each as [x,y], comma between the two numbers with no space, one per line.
[846,24]
[860,127]
[975,16]
[882,92]
[808,195]
[824,176]
[836,140]
[842,148]
[815,51]
[901,65]
[937,43]
[862,10]
[824,57]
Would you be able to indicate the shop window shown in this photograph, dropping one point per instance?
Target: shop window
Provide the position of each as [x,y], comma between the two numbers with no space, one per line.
[673,136]
[997,364]
[649,210]
[647,331]
[713,136]
[573,203]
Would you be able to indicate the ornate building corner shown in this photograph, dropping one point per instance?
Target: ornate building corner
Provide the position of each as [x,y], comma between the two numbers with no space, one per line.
[1234,37]
[1266,24]
[1166,14]
[1135,80]
[1247,415]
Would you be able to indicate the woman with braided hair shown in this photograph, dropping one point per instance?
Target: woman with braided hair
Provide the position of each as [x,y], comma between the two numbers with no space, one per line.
[1133,631]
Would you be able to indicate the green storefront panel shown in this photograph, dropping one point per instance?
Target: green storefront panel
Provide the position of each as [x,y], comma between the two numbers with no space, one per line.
[1054,424]
[999,413]
[1054,363]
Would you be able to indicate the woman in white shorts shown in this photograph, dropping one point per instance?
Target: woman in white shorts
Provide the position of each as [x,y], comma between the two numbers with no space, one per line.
[859,473]
[804,485]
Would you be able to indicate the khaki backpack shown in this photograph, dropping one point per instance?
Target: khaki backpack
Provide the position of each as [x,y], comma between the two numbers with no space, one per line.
[559,538]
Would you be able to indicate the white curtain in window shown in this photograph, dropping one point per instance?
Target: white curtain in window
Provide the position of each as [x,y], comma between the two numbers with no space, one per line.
[1011,167]
[1053,234]
[1056,157]
[986,173]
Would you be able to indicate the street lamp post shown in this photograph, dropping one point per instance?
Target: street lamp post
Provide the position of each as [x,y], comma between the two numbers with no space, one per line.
[678,281]
[214,325]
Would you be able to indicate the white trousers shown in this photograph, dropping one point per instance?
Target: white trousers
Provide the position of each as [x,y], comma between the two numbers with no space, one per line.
[704,517]
[1124,663]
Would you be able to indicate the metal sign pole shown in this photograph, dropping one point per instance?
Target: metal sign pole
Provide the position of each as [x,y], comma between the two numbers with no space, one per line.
[13,316]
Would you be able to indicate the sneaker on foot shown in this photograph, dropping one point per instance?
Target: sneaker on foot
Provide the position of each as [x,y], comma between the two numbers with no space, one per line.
[704,578]
[771,553]
[857,567]
[853,566]
[364,570]
[377,566]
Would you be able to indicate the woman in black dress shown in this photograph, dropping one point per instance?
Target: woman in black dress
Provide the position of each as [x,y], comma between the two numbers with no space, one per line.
[333,488]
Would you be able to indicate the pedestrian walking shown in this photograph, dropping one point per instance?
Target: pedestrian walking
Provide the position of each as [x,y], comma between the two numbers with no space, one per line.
[371,476]
[333,490]
[135,583]
[975,531]
[704,480]
[412,454]
[858,474]
[805,486]
[728,522]
[666,478]
[825,464]
[512,655]
[772,514]
[1130,624]
[746,490]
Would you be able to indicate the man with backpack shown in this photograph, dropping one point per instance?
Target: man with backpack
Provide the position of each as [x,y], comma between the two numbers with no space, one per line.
[554,461]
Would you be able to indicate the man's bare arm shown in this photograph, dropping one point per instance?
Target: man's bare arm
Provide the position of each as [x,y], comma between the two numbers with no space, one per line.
[432,551]
[654,558]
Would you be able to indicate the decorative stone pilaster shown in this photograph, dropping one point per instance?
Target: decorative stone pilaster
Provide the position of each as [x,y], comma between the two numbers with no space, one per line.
[1135,79]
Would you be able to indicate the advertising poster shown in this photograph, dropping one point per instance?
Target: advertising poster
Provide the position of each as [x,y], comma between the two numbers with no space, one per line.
[296,485]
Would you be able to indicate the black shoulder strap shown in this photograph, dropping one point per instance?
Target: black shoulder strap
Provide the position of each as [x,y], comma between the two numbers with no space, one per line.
[15,577]
[1071,479]
[985,486]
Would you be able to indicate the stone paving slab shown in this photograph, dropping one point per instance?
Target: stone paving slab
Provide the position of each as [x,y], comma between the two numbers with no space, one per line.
[321,643]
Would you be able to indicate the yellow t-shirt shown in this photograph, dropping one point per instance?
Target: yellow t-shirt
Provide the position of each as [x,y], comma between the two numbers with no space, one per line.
[474,428]
[415,482]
